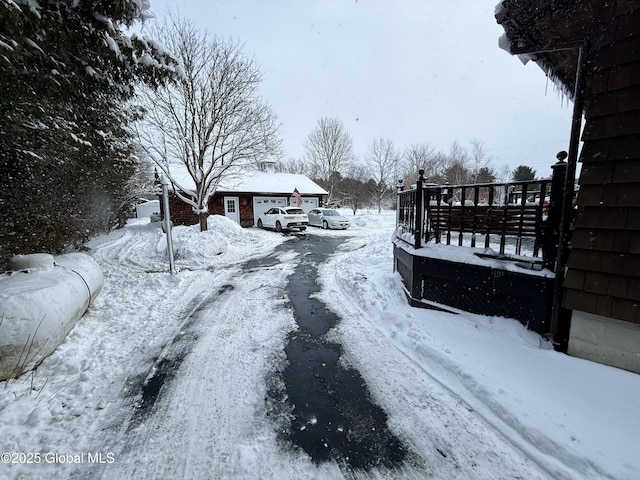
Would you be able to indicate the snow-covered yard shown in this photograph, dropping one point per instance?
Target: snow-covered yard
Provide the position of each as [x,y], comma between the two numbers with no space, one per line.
[472,396]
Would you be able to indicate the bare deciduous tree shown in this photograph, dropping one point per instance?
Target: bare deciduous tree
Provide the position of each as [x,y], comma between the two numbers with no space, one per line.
[329,152]
[423,157]
[356,191]
[457,170]
[504,174]
[479,160]
[209,122]
[382,165]
[293,165]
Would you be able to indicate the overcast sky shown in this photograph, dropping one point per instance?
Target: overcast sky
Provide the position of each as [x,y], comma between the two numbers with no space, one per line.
[410,71]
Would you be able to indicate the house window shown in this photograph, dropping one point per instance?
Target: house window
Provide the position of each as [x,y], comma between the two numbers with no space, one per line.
[231,206]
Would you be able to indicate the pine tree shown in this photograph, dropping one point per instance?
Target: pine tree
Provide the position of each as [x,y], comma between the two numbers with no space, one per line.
[523,173]
[68,73]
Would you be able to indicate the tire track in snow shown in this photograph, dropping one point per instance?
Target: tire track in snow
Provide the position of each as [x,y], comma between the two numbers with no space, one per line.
[212,409]
[171,358]
[160,334]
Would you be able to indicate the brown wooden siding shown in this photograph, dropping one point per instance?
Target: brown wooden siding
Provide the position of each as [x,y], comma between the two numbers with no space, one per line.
[181,213]
[603,274]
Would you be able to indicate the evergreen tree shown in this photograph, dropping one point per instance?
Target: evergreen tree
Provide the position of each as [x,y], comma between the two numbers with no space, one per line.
[68,72]
[485,175]
[523,173]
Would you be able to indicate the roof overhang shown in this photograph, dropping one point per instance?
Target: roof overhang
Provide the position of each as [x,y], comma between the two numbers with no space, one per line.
[551,32]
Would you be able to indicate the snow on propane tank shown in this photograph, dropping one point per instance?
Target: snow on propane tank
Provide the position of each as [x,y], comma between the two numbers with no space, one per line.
[40,302]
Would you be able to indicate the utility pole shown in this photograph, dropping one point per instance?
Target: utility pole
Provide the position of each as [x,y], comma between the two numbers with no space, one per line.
[167,222]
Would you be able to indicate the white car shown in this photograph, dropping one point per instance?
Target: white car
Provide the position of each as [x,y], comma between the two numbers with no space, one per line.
[327,218]
[284,218]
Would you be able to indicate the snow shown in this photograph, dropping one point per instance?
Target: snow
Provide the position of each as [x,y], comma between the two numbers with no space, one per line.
[40,301]
[33,5]
[505,44]
[148,60]
[483,257]
[12,4]
[34,260]
[33,44]
[79,140]
[111,43]
[90,71]
[472,396]
[5,45]
[273,182]
[254,181]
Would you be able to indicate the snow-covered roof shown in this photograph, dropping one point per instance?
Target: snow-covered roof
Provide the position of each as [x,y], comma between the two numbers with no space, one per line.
[256,181]
[272,182]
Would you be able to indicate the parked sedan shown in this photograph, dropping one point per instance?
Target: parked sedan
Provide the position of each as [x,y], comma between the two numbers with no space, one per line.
[284,218]
[327,218]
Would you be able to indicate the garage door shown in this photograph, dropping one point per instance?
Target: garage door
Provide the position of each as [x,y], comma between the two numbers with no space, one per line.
[307,203]
[262,204]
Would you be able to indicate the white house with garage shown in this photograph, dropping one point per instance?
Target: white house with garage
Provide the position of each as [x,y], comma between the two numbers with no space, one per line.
[246,195]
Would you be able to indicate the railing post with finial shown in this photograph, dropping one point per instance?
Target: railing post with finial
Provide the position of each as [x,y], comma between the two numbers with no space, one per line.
[551,240]
[399,206]
[561,317]
[419,210]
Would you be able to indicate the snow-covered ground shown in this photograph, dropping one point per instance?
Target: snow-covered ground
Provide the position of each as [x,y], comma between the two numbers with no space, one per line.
[472,396]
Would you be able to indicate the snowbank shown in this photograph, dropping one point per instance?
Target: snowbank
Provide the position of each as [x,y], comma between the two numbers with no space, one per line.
[474,396]
[576,418]
[40,304]
[223,237]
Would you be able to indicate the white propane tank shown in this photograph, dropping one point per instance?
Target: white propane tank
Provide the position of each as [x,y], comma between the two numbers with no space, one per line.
[40,302]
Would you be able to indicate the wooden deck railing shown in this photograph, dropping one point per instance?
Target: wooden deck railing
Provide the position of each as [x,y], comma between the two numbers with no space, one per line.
[516,218]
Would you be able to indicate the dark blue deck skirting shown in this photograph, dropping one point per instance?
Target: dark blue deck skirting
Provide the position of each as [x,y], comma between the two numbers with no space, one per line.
[477,289]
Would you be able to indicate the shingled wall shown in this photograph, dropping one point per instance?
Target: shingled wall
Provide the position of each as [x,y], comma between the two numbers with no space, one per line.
[603,277]
[602,282]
